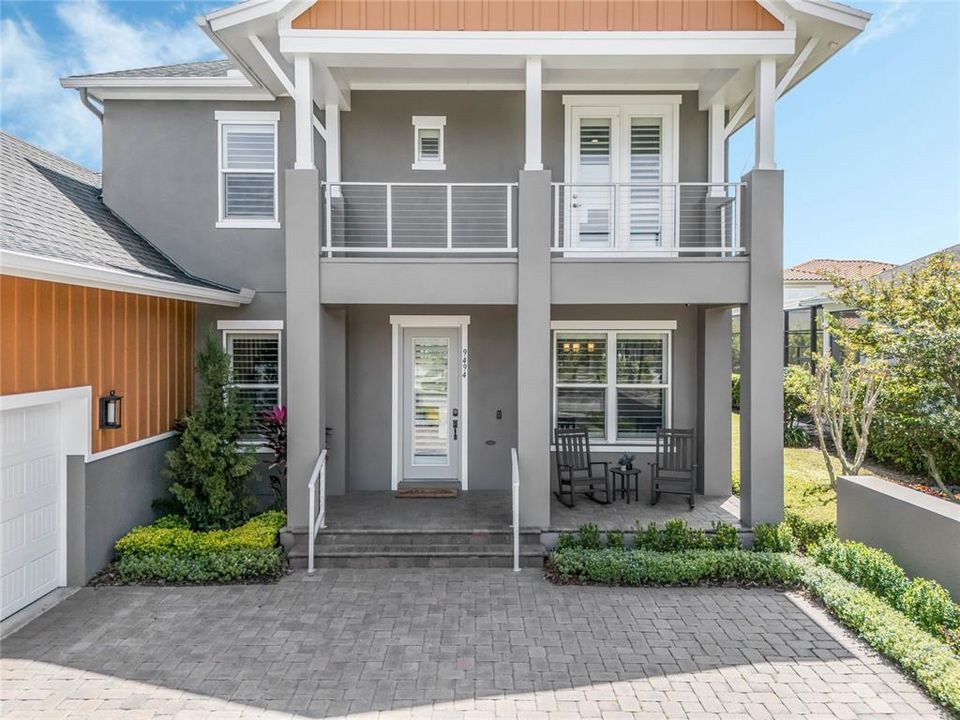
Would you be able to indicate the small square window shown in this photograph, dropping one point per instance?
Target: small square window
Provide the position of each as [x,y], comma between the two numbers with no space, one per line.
[428,142]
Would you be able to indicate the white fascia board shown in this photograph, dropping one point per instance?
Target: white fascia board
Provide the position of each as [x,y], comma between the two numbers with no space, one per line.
[544,44]
[219,81]
[53,270]
[833,12]
[244,12]
[210,94]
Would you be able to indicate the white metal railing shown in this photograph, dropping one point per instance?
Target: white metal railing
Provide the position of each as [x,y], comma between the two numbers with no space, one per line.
[318,519]
[515,484]
[419,218]
[644,218]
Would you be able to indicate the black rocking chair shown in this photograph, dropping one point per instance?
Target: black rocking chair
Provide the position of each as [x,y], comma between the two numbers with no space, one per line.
[674,472]
[576,470]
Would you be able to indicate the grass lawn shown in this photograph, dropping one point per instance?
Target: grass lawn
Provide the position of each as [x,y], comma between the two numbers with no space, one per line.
[807,488]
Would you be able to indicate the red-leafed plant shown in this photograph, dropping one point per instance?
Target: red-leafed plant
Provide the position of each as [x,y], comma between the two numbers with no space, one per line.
[273,428]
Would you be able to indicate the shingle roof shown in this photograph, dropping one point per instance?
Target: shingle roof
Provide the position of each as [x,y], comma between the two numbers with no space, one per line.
[51,207]
[211,68]
[824,269]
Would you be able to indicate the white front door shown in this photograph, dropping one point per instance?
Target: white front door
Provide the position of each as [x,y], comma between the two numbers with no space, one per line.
[31,514]
[430,409]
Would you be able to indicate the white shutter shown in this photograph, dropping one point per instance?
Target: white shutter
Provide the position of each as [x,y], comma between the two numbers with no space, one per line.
[646,160]
[248,169]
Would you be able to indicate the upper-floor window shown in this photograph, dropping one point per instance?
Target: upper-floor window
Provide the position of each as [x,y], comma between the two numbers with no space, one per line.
[247,169]
[428,142]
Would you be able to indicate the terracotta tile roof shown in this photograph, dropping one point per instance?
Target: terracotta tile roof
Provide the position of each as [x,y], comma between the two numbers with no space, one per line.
[822,269]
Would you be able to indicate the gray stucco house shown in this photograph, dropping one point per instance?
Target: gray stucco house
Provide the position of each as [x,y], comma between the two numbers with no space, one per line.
[467,223]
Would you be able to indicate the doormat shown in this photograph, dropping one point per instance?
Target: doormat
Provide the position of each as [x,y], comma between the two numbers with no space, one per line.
[429,493]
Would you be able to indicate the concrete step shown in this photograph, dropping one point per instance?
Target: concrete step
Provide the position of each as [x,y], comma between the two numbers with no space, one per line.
[334,538]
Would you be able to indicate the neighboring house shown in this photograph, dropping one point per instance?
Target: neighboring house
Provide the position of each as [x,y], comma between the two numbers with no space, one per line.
[807,333]
[96,364]
[468,223]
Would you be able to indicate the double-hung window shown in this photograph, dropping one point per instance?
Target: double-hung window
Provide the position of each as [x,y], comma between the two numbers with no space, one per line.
[614,381]
[254,349]
[247,169]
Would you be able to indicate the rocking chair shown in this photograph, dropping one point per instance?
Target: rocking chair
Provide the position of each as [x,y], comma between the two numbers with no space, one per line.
[674,472]
[577,470]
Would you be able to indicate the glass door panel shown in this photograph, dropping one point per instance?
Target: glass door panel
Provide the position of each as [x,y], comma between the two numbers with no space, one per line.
[431,401]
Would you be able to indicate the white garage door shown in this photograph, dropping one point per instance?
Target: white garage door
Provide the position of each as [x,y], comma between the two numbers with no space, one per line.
[31,517]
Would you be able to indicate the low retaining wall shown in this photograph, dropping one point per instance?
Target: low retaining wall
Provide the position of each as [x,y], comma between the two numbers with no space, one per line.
[922,532]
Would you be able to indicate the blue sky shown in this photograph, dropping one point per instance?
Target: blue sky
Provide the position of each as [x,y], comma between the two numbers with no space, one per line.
[870,143]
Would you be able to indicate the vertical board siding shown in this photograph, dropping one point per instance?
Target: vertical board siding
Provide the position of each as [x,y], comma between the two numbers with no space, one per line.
[537,15]
[56,336]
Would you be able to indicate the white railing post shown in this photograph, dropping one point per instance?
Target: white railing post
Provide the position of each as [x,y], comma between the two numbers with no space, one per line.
[557,189]
[737,240]
[515,484]
[509,216]
[328,219]
[449,216]
[676,215]
[389,215]
[317,520]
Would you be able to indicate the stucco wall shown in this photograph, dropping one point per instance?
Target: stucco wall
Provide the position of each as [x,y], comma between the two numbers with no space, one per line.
[492,387]
[922,532]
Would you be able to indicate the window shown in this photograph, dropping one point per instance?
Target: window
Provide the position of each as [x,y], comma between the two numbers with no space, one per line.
[254,349]
[614,382]
[800,337]
[247,169]
[428,142]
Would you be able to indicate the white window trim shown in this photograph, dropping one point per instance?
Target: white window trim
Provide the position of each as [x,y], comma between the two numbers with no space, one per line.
[428,122]
[230,117]
[255,327]
[610,442]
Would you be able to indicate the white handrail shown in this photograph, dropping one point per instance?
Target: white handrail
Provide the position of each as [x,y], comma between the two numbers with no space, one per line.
[318,520]
[515,462]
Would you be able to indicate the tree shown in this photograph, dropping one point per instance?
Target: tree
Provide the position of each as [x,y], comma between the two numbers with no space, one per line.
[844,404]
[912,321]
[210,467]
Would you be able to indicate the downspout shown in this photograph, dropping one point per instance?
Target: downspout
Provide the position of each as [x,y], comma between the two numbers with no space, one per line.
[90,105]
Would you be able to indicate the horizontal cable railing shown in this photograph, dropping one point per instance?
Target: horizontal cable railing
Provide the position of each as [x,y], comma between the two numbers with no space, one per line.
[657,219]
[419,218]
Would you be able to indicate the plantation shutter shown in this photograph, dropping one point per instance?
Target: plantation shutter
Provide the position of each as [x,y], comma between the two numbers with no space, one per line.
[646,195]
[249,170]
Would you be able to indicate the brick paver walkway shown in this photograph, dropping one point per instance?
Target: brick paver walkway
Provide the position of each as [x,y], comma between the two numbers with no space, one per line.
[443,644]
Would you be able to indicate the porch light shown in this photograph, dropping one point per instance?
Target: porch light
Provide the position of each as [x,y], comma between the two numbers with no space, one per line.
[110,411]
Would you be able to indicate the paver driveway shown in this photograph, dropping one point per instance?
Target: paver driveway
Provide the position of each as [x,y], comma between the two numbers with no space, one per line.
[443,643]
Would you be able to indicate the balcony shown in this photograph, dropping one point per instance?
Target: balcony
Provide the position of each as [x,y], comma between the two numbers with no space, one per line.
[647,220]
[420,219]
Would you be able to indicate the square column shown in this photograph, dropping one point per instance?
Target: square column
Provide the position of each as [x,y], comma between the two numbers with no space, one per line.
[714,426]
[533,114]
[304,321]
[533,348]
[761,352]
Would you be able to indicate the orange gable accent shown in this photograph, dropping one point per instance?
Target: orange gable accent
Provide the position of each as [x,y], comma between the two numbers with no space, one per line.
[537,15]
[59,336]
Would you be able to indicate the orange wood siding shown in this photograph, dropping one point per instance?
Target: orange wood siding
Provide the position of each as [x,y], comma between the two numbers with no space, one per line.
[540,15]
[57,336]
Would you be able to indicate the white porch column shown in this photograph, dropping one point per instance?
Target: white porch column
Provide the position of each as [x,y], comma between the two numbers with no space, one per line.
[332,123]
[534,123]
[717,141]
[765,98]
[303,87]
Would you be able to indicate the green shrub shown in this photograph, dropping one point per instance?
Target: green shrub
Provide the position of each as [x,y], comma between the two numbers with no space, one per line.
[642,567]
[795,436]
[259,532]
[675,536]
[809,533]
[226,566]
[567,541]
[888,631]
[590,536]
[615,540]
[773,538]
[925,602]
[735,390]
[172,522]
[725,536]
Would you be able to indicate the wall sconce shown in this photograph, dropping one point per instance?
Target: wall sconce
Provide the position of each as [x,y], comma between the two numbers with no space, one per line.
[576,347]
[110,411]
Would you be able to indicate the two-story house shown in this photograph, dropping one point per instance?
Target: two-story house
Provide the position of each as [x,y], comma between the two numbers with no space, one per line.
[468,222]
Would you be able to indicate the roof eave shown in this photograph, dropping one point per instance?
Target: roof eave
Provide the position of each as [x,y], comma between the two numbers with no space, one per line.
[38,267]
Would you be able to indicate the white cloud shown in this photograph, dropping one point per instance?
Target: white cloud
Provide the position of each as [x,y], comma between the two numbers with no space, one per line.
[895,16]
[94,39]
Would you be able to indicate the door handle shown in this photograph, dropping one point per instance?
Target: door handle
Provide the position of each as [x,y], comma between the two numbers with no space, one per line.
[456,422]
[454,429]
